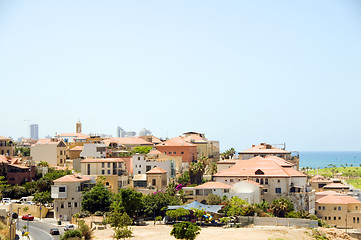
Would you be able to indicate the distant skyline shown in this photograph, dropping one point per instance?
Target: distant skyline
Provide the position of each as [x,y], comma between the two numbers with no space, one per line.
[242,72]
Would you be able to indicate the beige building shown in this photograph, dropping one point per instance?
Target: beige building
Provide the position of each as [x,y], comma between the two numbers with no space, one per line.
[157,179]
[52,151]
[7,146]
[278,178]
[67,195]
[205,148]
[264,150]
[339,210]
[112,169]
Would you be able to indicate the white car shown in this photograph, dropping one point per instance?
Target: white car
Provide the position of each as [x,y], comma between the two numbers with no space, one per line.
[6,200]
[69,227]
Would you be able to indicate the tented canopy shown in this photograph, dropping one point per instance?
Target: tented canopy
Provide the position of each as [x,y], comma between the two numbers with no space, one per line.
[199,206]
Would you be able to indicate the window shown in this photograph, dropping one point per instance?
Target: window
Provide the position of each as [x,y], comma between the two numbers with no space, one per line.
[329,218]
[354,220]
[138,158]
[261,181]
[108,171]
[358,220]
[61,205]
[108,164]
[169,152]
[257,180]
[334,218]
[319,207]
[265,190]
[62,189]
[225,180]
[339,218]
[339,208]
[69,204]
[266,181]
[278,180]
[154,182]
[75,204]
[138,172]
[325,218]
[334,208]
[231,180]
[226,190]
[174,152]
[61,152]
[61,161]
[103,165]
[147,168]
[323,208]
[278,190]
[103,172]
[182,152]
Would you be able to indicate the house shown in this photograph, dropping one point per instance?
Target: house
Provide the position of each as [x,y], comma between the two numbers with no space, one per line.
[265,149]
[74,152]
[7,146]
[67,195]
[179,147]
[50,150]
[339,210]
[112,169]
[157,179]
[318,182]
[156,155]
[126,143]
[141,165]
[279,180]
[93,150]
[205,148]
[337,187]
[14,171]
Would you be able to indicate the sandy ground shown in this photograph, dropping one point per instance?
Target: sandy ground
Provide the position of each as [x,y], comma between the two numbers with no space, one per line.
[160,232]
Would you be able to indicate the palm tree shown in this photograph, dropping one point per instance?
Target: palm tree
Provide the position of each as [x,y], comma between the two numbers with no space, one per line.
[231,152]
[212,169]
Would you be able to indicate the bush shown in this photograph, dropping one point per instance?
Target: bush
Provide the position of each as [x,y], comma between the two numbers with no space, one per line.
[86,232]
[76,234]
[185,230]
[213,199]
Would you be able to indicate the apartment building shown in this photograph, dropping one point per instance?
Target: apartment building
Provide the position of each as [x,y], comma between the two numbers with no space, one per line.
[7,146]
[279,180]
[112,169]
[179,147]
[205,148]
[141,165]
[126,143]
[339,210]
[67,195]
[14,171]
[50,150]
[265,149]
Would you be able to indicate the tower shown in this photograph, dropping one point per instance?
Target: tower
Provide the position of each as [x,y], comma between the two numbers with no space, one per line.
[34,131]
[78,126]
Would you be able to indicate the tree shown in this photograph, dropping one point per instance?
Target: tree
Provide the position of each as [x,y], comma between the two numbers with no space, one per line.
[97,199]
[43,197]
[198,213]
[86,232]
[184,179]
[127,200]
[141,150]
[156,202]
[175,214]
[185,230]
[212,169]
[281,207]
[196,170]
[122,233]
[71,234]
[120,222]
[213,199]
[235,206]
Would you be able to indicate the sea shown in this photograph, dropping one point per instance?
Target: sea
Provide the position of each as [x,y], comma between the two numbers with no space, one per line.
[323,159]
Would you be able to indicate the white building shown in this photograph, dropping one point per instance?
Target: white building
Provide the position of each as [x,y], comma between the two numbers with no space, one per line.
[93,150]
[141,165]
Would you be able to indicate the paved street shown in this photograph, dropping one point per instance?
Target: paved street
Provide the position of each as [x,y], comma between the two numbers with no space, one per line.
[39,230]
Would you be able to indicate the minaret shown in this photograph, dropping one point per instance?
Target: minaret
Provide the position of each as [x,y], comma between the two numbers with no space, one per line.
[78,126]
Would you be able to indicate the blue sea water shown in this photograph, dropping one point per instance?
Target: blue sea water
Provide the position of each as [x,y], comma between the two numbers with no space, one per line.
[323,159]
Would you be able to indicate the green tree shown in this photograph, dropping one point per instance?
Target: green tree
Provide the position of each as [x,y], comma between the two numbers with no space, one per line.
[122,233]
[185,230]
[141,150]
[213,199]
[71,234]
[196,170]
[212,169]
[281,207]
[184,179]
[97,199]
[235,206]
[127,200]
[198,213]
[156,202]
[42,197]
[119,219]
[85,230]
[175,214]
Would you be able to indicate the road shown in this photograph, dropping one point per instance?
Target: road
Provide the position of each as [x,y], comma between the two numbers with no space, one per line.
[40,230]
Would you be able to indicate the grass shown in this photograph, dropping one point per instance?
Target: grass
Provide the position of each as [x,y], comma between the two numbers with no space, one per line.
[328,172]
[356,182]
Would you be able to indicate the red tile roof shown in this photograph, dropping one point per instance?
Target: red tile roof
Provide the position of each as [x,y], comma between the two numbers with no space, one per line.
[213,185]
[154,152]
[72,178]
[127,141]
[245,168]
[5,138]
[264,149]
[48,141]
[102,160]
[337,199]
[77,148]
[156,170]
[177,141]
[336,185]
[229,161]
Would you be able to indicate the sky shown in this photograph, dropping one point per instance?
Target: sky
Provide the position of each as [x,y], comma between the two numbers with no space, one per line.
[242,72]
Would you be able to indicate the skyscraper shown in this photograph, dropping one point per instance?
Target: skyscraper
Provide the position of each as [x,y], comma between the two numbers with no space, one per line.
[34,131]
[120,132]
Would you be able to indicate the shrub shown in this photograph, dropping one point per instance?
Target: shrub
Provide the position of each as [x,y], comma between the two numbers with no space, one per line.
[76,234]
[185,230]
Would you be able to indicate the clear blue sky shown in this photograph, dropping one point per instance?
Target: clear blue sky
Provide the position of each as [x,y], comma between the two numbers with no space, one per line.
[242,72]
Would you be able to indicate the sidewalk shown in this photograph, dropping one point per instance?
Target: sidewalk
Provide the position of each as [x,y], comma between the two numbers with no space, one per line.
[21,237]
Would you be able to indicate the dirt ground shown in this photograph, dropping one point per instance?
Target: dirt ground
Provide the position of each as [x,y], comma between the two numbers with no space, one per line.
[160,232]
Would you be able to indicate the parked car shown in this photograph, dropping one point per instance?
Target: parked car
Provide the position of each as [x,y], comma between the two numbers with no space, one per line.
[6,200]
[28,217]
[69,227]
[54,231]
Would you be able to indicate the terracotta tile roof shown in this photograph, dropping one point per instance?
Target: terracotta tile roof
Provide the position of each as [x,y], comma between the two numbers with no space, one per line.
[127,141]
[75,135]
[177,141]
[77,148]
[194,138]
[336,185]
[5,138]
[154,152]
[102,160]
[337,199]
[264,149]
[156,170]
[48,141]
[228,161]
[213,185]
[3,159]
[280,161]
[72,178]
[261,166]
